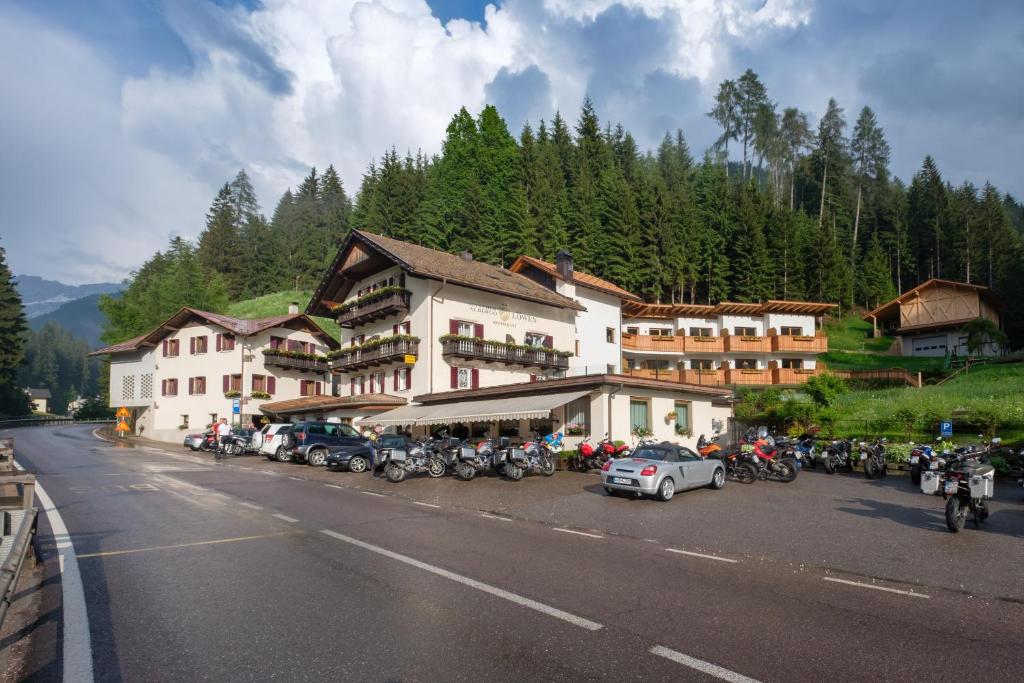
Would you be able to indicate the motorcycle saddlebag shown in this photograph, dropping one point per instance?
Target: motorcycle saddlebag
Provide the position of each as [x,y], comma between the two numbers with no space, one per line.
[930,482]
[983,486]
[396,454]
[517,454]
[467,453]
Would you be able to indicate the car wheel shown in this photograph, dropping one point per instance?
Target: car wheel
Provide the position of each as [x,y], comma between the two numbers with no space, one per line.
[666,489]
[718,479]
[357,464]
[283,454]
[609,490]
[316,457]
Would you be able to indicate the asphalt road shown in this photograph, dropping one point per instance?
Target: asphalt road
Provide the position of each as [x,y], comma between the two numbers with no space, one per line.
[251,570]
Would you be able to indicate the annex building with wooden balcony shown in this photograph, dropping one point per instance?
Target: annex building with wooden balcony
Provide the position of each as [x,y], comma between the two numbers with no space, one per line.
[731,343]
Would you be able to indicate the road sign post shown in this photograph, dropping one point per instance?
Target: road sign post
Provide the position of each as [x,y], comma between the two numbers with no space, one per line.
[946,428]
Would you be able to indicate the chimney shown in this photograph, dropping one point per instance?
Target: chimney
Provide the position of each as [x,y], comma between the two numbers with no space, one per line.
[293,308]
[467,255]
[563,261]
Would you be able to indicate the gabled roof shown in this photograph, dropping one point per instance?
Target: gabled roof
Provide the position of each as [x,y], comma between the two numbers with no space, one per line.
[890,308]
[243,327]
[579,277]
[670,311]
[314,404]
[423,262]
[38,393]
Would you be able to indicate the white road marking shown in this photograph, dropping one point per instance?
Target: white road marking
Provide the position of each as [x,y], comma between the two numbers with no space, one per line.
[286,518]
[333,486]
[700,665]
[701,555]
[101,438]
[578,533]
[77,655]
[251,505]
[502,519]
[877,588]
[370,493]
[299,479]
[426,505]
[472,583]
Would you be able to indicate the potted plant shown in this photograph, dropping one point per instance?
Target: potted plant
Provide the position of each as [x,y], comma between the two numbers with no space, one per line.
[574,429]
[670,416]
[232,394]
[259,394]
[683,430]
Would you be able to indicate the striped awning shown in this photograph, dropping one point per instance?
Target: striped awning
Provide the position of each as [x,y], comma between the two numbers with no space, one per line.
[489,410]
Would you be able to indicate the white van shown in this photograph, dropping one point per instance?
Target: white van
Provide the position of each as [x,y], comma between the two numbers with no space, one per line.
[272,444]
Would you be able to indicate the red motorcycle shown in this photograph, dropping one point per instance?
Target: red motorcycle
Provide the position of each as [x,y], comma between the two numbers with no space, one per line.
[586,457]
[769,462]
[609,450]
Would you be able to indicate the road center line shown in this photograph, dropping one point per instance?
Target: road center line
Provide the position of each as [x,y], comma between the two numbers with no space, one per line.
[252,506]
[426,505]
[702,555]
[370,493]
[700,665]
[333,486]
[501,519]
[877,588]
[216,541]
[472,583]
[578,533]
[286,518]
[77,654]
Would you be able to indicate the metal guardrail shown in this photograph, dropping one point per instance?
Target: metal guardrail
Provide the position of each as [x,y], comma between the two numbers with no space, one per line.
[43,421]
[10,571]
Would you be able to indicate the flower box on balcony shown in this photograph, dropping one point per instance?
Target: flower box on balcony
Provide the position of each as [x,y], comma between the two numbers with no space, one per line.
[493,351]
[375,305]
[704,340]
[803,338]
[747,371]
[259,395]
[750,339]
[295,360]
[375,352]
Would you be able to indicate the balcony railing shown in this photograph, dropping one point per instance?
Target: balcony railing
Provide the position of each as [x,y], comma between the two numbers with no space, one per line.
[793,375]
[734,376]
[495,352]
[375,309]
[649,342]
[293,363]
[705,344]
[704,377]
[800,344]
[385,352]
[747,344]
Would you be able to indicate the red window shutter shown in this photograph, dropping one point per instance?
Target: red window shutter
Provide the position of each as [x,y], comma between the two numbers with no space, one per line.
[163,385]
[352,386]
[192,345]
[319,388]
[394,386]
[549,342]
[271,384]
[453,326]
[275,342]
[394,329]
[219,341]
[191,385]
[455,378]
[227,383]
[478,330]
[165,348]
[476,379]
[231,342]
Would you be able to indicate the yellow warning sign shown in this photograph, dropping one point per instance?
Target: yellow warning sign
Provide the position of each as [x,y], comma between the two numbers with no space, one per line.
[122,427]
[122,412]
[409,358]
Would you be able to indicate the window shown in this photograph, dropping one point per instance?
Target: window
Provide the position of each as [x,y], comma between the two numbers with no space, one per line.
[465,329]
[792,331]
[225,342]
[357,339]
[277,342]
[661,332]
[145,386]
[170,348]
[402,328]
[196,386]
[793,363]
[746,364]
[632,330]
[686,455]
[610,369]
[577,416]
[655,453]
[609,335]
[376,382]
[657,364]
[464,378]
[231,383]
[639,414]
[745,331]
[128,387]
[259,383]
[309,387]
[682,409]
[536,340]
[702,364]
[197,345]
[701,332]
[402,379]
[169,387]
[184,421]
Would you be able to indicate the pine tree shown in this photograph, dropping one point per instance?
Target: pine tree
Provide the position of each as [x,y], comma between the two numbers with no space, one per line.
[220,243]
[13,400]
[727,113]
[830,155]
[870,162]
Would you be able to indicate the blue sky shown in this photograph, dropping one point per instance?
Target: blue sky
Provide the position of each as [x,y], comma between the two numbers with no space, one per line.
[123,117]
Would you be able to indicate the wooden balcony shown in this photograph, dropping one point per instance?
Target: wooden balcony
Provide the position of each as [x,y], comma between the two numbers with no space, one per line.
[648,342]
[733,376]
[317,365]
[704,377]
[393,303]
[485,352]
[747,344]
[794,375]
[387,352]
[799,344]
[648,373]
[704,344]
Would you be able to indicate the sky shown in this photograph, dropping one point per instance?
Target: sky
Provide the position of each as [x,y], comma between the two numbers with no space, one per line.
[121,119]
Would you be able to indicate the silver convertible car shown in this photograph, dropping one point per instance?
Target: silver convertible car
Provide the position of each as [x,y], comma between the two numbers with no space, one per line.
[661,470]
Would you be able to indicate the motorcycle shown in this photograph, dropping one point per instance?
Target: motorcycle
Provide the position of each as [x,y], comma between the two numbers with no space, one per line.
[539,458]
[708,448]
[739,465]
[488,454]
[768,461]
[966,484]
[803,450]
[447,448]
[398,462]
[839,456]
[872,457]
[238,445]
[586,457]
[607,450]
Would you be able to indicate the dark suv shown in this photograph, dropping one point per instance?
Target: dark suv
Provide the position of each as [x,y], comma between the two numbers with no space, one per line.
[310,442]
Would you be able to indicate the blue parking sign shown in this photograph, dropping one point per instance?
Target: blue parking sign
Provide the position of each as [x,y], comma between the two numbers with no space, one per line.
[236,406]
[946,428]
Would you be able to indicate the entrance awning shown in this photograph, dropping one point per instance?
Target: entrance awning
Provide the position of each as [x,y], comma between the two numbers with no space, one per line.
[512,408]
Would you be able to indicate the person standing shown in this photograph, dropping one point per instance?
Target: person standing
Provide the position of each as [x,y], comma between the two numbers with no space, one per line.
[223,433]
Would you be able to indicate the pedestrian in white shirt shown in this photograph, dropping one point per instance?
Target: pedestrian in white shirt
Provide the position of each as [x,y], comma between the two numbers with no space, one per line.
[223,432]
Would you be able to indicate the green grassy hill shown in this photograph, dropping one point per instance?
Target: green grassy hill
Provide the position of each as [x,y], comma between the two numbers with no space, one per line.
[851,347]
[277,304]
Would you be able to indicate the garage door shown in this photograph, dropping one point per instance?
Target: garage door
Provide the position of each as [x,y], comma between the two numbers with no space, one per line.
[930,346]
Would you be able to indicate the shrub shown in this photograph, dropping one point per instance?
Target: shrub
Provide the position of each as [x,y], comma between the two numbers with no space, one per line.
[825,389]
[906,418]
[881,425]
[827,418]
[1002,467]
[898,452]
[987,420]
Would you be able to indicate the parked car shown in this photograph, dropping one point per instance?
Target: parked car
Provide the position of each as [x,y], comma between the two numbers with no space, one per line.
[310,442]
[356,457]
[194,441]
[272,444]
[660,470]
[205,441]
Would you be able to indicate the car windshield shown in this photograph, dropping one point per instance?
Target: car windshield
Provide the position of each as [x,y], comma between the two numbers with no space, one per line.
[650,453]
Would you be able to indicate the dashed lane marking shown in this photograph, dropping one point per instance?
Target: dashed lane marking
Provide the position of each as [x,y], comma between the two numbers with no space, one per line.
[877,588]
[370,493]
[578,533]
[290,520]
[472,583]
[501,519]
[700,665]
[333,486]
[426,505]
[251,506]
[702,555]
[216,541]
